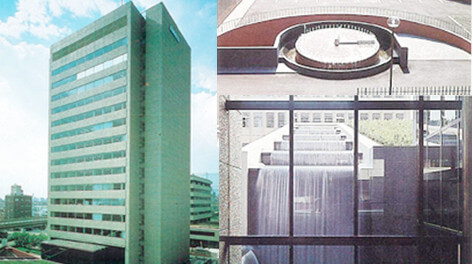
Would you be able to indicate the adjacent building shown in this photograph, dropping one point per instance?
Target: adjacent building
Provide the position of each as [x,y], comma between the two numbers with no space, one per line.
[17,205]
[203,231]
[200,209]
[120,141]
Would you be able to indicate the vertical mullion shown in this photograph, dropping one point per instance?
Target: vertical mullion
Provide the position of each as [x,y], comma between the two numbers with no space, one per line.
[355,177]
[420,180]
[291,176]
[466,181]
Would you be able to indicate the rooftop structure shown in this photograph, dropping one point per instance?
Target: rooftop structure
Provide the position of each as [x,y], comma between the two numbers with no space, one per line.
[16,190]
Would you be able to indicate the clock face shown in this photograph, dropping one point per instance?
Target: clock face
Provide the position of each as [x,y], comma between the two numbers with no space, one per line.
[337,45]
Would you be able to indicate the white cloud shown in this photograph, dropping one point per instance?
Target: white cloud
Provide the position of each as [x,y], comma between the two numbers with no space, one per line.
[34,16]
[204,149]
[83,8]
[24,118]
[204,77]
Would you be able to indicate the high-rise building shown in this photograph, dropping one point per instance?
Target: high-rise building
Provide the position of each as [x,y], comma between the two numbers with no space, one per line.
[17,205]
[203,231]
[120,141]
[200,200]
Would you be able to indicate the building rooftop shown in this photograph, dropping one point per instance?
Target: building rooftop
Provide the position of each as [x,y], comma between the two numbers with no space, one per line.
[195,177]
[75,245]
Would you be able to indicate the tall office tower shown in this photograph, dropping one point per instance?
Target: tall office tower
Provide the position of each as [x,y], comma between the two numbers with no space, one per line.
[120,141]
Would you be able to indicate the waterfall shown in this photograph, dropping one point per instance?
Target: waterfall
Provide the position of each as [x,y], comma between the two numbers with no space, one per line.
[323,196]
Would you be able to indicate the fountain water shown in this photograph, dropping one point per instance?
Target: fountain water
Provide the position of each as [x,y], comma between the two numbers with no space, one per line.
[323,195]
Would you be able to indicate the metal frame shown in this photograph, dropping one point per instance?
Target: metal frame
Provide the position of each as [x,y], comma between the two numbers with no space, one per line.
[354,105]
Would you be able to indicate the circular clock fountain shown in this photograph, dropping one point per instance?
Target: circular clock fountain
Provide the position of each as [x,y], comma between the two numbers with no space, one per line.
[336,49]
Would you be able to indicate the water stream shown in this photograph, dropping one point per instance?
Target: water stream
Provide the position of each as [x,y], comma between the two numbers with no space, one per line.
[323,196]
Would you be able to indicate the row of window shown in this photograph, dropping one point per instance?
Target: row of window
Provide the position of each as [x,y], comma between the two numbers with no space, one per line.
[306,118]
[92,70]
[89,158]
[200,205]
[89,100]
[200,198]
[90,143]
[88,187]
[90,56]
[199,190]
[258,120]
[89,114]
[90,231]
[108,202]
[90,172]
[377,116]
[89,86]
[89,129]
[201,213]
[88,216]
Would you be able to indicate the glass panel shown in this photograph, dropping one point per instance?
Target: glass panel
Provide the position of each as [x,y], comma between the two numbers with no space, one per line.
[323,174]
[442,171]
[387,254]
[259,254]
[324,254]
[387,173]
[267,172]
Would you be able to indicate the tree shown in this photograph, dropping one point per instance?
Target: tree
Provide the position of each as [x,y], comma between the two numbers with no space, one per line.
[24,239]
[392,132]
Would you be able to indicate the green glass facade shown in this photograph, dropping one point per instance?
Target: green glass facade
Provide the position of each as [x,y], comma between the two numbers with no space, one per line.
[120,136]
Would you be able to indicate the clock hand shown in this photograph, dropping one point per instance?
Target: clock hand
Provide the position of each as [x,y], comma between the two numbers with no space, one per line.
[358,42]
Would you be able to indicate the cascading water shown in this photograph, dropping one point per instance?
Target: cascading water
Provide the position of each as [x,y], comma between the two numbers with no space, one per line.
[323,196]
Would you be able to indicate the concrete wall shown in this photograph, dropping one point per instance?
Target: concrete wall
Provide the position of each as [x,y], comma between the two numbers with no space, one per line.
[135,82]
[230,171]
[265,33]
[167,148]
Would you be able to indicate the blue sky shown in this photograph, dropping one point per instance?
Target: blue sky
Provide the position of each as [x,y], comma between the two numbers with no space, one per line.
[29,27]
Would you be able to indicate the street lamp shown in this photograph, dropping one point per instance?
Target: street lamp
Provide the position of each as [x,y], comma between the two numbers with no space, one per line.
[393,22]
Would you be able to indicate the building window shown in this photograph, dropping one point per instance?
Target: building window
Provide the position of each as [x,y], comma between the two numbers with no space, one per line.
[316,118]
[174,33]
[364,116]
[376,116]
[270,120]
[400,116]
[281,119]
[305,117]
[246,120]
[328,117]
[257,119]
[388,116]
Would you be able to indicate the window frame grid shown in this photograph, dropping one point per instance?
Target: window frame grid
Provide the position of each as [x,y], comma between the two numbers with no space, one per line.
[356,240]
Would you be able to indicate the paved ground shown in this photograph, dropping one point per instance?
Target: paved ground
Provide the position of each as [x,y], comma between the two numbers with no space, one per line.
[423,73]
[447,10]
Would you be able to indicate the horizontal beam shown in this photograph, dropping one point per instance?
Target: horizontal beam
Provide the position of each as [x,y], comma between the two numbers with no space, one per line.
[334,241]
[343,105]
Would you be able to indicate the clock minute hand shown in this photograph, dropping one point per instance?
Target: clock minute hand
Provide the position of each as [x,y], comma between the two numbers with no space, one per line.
[358,42]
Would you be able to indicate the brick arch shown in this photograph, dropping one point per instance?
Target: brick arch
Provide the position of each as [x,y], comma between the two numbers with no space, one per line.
[264,33]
